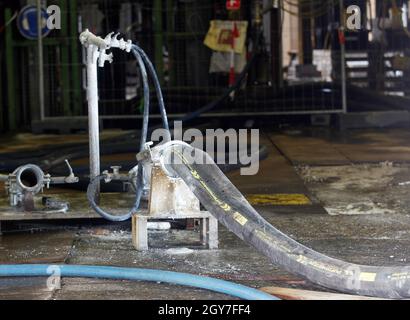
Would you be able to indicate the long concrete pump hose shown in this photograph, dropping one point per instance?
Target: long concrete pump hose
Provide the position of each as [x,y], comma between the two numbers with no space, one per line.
[223,200]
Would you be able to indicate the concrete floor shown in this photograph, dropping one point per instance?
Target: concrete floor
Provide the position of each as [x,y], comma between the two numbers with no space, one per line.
[357,184]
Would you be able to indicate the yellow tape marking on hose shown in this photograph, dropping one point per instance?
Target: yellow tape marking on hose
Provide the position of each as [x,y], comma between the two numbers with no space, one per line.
[319,265]
[223,205]
[299,257]
[196,175]
[399,276]
[273,241]
[367,276]
[240,218]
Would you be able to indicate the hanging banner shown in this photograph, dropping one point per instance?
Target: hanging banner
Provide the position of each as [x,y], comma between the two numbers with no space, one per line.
[226,36]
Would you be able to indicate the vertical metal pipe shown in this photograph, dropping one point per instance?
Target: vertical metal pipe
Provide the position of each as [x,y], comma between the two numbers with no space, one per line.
[11,84]
[93,120]
[65,68]
[158,39]
[75,71]
[40,61]
[171,43]
[343,57]
[305,35]
[1,99]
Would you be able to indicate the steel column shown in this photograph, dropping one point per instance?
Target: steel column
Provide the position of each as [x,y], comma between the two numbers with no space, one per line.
[343,57]
[158,38]
[40,62]
[11,85]
[75,63]
[93,118]
[65,80]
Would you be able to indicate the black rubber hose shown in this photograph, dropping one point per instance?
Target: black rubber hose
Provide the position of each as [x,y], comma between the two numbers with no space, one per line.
[141,57]
[139,186]
[145,121]
[92,189]
[228,205]
[157,86]
[213,104]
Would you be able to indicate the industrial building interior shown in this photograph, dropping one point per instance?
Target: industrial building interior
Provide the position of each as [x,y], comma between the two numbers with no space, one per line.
[204,150]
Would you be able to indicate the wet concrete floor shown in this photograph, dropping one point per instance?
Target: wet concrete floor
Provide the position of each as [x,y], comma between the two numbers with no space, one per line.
[371,236]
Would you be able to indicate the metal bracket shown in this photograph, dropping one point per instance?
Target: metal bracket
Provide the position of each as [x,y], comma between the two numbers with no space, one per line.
[208,229]
[169,198]
[96,53]
[29,180]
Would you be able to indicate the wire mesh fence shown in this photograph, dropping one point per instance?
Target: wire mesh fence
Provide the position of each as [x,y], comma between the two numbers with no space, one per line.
[297,68]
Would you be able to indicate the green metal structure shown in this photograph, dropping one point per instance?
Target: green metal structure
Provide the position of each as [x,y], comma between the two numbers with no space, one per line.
[158,34]
[65,47]
[11,85]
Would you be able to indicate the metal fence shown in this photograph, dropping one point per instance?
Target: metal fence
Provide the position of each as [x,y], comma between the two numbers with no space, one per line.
[280,81]
[174,37]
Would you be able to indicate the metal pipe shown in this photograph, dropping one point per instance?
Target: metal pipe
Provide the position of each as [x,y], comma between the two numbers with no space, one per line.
[158,38]
[93,118]
[40,61]
[95,183]
[210,114]
[30,178]
[343,57]
[96,47]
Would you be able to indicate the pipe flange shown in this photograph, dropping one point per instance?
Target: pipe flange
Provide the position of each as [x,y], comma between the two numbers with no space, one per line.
[30,178]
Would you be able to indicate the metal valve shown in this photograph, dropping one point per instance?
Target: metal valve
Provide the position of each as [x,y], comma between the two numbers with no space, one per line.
[88,39]
[114,42]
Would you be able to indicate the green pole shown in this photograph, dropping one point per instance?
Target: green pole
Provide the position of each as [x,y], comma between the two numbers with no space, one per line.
[11,85]
[170,41]
[75,62]
[65,75]
[1,99]
[158,36]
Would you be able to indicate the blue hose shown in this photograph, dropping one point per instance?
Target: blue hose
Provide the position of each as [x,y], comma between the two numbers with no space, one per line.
[119,273]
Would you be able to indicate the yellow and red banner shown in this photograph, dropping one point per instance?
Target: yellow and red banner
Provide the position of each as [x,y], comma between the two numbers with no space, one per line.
[225,36]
